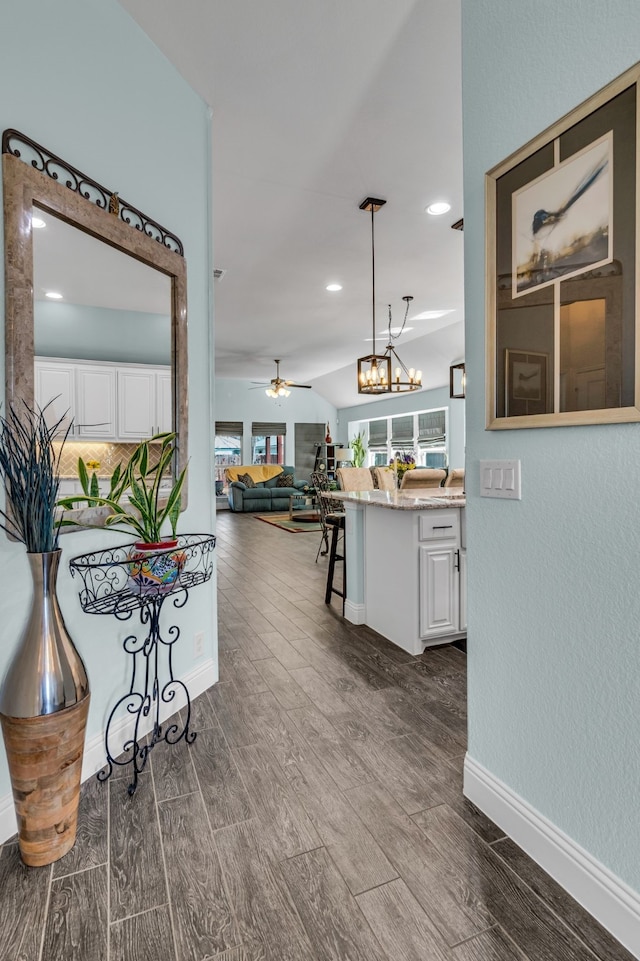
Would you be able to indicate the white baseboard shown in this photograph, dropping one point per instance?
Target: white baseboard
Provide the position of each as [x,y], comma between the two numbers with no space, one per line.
[354,613]
[611,902]
[196,681]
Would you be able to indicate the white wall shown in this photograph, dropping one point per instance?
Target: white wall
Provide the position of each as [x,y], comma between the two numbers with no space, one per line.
[81,78]
[553,599]
[236,400]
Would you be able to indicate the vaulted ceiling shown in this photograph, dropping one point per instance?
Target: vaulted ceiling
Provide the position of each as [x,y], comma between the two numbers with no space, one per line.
[317,105]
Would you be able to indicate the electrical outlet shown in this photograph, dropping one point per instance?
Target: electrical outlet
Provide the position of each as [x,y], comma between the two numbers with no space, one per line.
[198,644]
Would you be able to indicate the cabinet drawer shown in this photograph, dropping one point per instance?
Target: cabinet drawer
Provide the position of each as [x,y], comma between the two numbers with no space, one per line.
[439,525]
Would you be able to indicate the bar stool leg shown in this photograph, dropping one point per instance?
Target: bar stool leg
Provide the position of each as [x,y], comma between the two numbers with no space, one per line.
[333,557]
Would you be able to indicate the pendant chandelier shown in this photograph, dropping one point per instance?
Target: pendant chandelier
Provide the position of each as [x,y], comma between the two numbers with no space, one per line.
[384,373]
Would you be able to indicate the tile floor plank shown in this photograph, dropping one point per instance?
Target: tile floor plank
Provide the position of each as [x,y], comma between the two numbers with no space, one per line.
[232,715]
[173,772]
[262,905]
[330,914]
[145,937]
[284,820]
[358,857]
[573,914]
[137,881]
[524,917]
[23,899]
[451,905]
[335,752]
[400,925]
[491,945]
[202,917]
[235,666]
[283,650]
[77,918]
[224,793]
[282,684]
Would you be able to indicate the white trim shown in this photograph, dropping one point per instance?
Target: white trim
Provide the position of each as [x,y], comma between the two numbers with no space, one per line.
[609,899]
[196,681]
[354,613]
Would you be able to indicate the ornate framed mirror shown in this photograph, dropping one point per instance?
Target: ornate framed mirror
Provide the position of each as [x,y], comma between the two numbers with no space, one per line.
[113,240]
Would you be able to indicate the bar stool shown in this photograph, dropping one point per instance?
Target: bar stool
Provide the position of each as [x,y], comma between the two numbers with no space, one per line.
[337,524]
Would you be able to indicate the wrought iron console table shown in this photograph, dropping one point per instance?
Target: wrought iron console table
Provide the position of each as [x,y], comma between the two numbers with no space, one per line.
[110,586]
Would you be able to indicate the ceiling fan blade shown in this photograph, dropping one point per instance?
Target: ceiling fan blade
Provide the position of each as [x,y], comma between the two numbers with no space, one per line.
[303,386]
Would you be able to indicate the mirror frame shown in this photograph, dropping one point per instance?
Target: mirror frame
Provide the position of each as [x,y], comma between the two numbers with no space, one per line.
[25,187]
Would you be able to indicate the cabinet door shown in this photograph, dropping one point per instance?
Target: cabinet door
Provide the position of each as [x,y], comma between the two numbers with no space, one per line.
[463,590]
[164,407]
[96,402]
[55,389]
[438,591]
[136,404]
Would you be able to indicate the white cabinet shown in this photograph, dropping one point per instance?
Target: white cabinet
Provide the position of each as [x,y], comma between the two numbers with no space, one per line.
[107,402]
[95,402]
[439,590]
[144,402]
[54,389]
[414,588]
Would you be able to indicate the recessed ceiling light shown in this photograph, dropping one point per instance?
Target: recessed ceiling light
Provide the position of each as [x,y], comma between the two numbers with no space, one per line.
[440,207]
[53,295]
[333,287]
[394,331]
[38,223]
[432,314]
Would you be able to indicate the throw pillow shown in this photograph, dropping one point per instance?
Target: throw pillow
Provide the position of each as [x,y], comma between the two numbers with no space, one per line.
[284,480]
[247,480]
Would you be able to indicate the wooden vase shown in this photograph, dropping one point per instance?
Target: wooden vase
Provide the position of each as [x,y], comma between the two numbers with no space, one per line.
[45,762]
[44,702]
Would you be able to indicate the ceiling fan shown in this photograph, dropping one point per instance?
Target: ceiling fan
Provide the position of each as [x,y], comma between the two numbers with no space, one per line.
[279,387]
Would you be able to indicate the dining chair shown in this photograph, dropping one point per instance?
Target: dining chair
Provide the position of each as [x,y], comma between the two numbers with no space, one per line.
[455,477]
[385,479]
[354,479]
[421,477]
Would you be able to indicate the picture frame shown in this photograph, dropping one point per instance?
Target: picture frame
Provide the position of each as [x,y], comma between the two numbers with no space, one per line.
[562,249]
[525,382]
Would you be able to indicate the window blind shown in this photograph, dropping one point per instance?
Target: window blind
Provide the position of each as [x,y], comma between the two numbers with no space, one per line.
[268,429]
[229,428]
[378,435]
[431,429]
[402,432]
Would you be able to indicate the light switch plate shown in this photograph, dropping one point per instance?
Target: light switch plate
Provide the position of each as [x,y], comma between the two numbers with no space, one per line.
[500,478]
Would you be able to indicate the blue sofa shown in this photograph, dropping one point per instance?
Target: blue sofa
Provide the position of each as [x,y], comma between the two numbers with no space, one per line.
[265,496]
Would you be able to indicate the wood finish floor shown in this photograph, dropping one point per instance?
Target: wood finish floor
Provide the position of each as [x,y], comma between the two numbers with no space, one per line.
[317,817]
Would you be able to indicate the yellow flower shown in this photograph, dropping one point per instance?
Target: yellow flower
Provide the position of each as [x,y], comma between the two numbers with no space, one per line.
[93,464]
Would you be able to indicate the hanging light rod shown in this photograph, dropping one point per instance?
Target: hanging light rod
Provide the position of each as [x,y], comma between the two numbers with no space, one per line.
[375,374]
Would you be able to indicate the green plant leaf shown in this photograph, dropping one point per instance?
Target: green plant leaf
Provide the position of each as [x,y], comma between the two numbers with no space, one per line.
[83,475]
[94,487]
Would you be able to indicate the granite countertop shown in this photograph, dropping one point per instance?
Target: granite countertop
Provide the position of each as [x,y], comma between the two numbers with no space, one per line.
[415,500]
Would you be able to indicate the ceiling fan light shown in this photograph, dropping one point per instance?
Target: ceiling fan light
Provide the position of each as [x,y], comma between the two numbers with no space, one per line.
[270,392]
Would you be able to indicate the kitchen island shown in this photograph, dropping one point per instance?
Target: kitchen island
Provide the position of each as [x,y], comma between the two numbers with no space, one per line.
[406,564]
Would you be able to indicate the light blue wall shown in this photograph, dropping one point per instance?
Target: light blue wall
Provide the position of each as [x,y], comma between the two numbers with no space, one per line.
[236,400]
[81,78]
[553,604]
[98,333]
[407,403]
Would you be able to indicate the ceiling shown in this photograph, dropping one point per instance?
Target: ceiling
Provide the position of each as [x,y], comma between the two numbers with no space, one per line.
[317,105]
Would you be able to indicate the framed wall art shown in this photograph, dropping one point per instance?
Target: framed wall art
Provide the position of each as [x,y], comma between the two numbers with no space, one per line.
[562,269]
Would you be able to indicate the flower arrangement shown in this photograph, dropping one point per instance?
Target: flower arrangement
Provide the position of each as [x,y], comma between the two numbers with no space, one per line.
[402,462]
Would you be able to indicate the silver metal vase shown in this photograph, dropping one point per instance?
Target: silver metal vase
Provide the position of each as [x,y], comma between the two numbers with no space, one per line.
[44,701]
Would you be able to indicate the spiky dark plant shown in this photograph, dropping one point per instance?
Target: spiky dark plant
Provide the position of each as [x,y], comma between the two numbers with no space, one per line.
[30,470]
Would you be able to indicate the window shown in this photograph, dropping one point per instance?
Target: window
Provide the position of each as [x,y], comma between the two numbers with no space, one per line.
[228,450]
[422,433]
[267,443]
